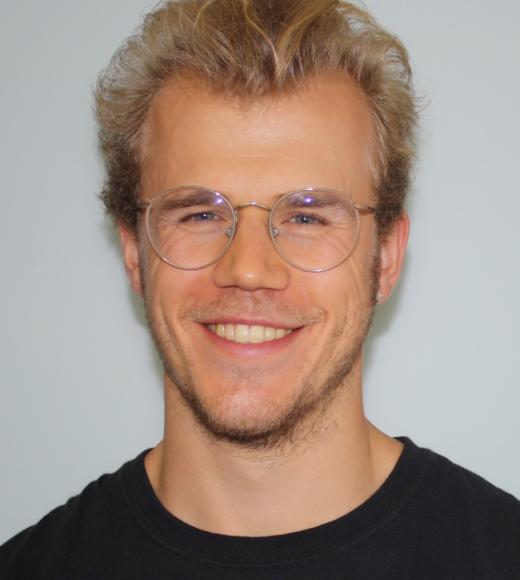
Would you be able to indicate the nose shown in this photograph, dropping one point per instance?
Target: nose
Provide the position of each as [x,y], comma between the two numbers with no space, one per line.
[252,262]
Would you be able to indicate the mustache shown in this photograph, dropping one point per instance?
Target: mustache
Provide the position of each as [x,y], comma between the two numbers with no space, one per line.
[261,305]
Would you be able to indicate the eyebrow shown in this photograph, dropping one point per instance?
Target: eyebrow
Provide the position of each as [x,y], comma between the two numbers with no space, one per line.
[309,199]
[190,200]
[200,197]
[304,191]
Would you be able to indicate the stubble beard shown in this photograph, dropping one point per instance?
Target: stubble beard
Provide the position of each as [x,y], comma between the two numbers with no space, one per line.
[305,413]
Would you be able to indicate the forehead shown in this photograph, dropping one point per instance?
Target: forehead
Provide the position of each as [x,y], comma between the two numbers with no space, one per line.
[320,134]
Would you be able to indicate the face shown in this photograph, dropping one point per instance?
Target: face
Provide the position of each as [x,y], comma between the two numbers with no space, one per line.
[313,324]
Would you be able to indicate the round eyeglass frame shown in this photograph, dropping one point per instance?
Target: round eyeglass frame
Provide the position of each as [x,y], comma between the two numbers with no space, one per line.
[147,204]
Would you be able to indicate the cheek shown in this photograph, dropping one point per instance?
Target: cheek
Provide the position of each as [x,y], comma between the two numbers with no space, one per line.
[168,291]
[363,261]
[346,287]
[359,277]
[346,293]
[175,297]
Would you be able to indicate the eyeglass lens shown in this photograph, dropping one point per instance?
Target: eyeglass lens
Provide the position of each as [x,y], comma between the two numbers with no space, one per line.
[312,230]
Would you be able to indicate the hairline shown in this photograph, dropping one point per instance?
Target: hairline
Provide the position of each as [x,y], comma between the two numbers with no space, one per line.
[196,83]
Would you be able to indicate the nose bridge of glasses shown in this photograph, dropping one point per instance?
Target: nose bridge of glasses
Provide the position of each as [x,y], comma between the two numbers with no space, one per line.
[251,204]
[254,204]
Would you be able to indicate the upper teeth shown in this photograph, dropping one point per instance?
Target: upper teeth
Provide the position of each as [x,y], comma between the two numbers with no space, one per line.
[244,333]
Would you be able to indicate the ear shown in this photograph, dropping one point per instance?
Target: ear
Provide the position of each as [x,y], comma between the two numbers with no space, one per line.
[392,256]
[130,247]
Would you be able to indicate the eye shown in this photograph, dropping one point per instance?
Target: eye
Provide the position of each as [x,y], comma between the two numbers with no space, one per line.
[204,216]
[307,219]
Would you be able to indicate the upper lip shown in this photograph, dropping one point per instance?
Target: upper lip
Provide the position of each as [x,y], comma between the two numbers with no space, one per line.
[250,322]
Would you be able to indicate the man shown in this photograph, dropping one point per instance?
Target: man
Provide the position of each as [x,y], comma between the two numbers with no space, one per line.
[258,155]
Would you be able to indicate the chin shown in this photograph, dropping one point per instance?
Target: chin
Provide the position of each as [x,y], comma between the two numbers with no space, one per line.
[248,405]
[256,417]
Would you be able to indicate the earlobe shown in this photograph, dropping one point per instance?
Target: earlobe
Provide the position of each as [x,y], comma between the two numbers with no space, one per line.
[130,247]
[392,256]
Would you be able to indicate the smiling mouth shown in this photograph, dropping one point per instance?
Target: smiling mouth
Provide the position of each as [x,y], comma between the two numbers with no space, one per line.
[245,334]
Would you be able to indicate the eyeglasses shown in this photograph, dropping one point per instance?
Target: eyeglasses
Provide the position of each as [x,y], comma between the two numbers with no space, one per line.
[313,229]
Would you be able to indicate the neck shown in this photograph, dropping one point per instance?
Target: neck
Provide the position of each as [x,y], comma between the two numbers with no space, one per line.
[215,486]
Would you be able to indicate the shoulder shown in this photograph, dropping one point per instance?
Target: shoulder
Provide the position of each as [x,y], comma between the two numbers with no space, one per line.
[459,482]
[497,515]
[488,518]
[85,518]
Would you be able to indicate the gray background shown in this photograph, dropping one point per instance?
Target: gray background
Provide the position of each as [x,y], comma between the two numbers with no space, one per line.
[80,387]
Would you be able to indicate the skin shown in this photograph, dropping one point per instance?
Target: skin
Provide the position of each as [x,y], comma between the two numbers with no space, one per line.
[332,459]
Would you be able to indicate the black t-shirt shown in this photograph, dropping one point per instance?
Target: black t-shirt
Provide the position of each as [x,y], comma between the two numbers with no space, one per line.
[431,519]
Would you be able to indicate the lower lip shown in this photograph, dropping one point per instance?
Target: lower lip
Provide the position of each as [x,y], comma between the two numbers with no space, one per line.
[252,349]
